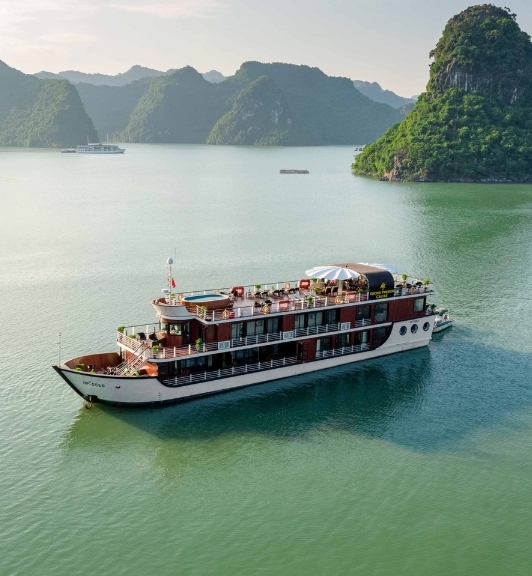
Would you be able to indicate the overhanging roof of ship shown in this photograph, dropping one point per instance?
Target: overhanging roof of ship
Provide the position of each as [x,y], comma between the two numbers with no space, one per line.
[361,268]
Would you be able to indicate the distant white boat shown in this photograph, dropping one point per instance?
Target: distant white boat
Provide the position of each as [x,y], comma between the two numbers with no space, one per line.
[98,148]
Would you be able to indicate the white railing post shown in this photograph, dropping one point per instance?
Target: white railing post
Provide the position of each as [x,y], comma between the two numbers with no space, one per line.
[189,348]
[175,354]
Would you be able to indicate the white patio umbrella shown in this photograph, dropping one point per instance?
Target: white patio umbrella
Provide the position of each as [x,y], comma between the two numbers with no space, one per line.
[332,273]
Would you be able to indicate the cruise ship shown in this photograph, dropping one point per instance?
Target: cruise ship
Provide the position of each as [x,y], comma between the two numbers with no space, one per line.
[98,148]
[211,341]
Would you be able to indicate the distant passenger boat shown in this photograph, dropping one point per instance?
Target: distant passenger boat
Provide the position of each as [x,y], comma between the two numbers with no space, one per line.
[99,148]
[294,171]
[68,151]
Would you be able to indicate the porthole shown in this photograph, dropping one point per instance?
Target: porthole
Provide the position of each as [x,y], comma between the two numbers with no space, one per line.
[413,329]
[403,330]
[426,326]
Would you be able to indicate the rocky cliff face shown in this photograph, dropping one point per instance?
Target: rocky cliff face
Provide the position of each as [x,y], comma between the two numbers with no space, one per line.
[261,116]
[474,122]
[41,113]
[483,50]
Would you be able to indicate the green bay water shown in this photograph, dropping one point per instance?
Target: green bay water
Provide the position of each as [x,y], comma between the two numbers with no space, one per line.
[415,464]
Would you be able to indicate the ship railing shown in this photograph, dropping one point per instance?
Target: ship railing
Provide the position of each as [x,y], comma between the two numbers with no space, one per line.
[133,364]
[291,287]
[342,351]
[129,341]
[288,305]
[273,337]
[206,375]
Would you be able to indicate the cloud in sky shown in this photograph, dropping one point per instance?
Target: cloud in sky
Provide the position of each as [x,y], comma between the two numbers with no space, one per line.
[14,12]
[181,9]
[68,38]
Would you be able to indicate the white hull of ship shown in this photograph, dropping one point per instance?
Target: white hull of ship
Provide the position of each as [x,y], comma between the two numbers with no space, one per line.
[120,151]
[149,390]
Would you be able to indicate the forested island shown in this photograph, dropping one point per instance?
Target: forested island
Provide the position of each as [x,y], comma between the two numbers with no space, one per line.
[474,122]
[273,104]
[40,113]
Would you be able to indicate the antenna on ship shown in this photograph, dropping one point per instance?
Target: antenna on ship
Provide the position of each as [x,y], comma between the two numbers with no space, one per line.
[58,350]
[169,263]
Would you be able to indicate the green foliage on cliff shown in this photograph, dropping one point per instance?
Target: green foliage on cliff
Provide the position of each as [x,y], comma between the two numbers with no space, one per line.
[261,116]
[475,119]
[331,108]
[184,107]
[180,107]
[40,113]
[110,107]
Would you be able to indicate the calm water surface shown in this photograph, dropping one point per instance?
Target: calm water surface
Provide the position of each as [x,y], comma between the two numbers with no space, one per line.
[415,464]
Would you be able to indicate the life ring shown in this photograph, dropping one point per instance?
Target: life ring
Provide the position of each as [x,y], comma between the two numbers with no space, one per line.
[265,309]
[338,300]
[287,286]
[225,314]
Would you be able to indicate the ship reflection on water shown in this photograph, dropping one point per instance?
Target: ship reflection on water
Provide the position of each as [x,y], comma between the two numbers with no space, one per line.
[357,398]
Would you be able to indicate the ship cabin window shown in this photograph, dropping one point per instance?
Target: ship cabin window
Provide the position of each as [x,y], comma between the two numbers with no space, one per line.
[237,330]
[299,321]
[250,355]
[255,328]
[192,364]
[379,336]
[199,362]
[313,319]
[175,329]
[342,340]
[272,325]
[360,337]
[381,312]
[164,369]
[419,304]
[322,345]
[363,312]
[331,316]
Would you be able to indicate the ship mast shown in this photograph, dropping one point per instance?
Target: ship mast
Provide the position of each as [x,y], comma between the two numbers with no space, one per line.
[169,263]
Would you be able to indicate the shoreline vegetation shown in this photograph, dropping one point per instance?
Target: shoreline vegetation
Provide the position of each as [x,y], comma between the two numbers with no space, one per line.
[474,122]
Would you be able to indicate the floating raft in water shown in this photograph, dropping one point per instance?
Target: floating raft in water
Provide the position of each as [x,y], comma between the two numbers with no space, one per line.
[294,172]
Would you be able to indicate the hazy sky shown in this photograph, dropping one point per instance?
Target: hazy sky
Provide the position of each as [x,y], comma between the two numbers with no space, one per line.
[387,41]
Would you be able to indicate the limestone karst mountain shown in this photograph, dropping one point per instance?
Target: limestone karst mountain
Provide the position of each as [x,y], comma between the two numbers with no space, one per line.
[474,122]
[374,91]
[261,116]
[40,113]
